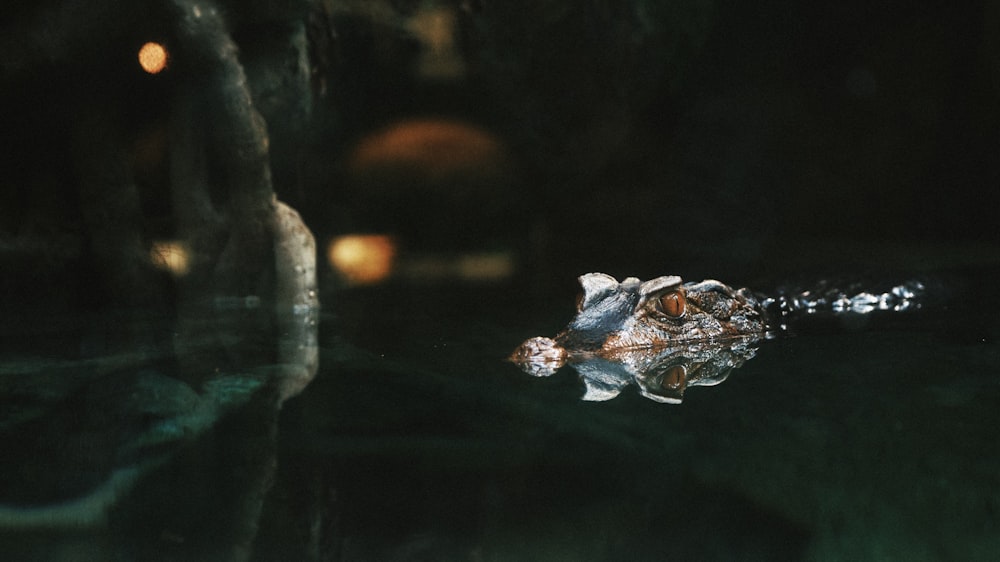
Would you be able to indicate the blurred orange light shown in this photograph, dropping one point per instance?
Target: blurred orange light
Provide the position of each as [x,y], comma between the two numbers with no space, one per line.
[362,258]
[435,28]
[431,149]
[476,268]
[153,57]
[485,267]
[170,256]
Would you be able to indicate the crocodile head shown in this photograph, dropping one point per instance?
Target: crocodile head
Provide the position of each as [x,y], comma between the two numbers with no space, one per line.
[613,317]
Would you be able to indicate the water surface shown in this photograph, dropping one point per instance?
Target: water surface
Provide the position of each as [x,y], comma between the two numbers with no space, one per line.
[867,439]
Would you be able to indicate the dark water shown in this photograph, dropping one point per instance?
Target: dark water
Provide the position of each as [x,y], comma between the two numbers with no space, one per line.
[144,414]
[418,441]
[840,444]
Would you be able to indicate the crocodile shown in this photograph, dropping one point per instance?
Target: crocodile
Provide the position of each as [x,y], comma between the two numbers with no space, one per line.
[662,374]
[614,318]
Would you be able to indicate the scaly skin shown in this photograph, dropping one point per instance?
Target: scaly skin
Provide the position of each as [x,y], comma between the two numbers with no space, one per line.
[614,317]
[664,335]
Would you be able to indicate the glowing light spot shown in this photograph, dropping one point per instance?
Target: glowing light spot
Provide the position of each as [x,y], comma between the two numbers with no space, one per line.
[435,28]
[153,57]
[476,268]
[430,149]
[485,267]
[362,258]
[170,256]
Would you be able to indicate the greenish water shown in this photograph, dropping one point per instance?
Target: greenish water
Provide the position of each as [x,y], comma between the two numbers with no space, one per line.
[159,393]
[418,441]
[836,444]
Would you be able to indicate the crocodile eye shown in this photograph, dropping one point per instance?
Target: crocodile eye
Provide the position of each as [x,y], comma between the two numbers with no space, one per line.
[674,378]
[672,304]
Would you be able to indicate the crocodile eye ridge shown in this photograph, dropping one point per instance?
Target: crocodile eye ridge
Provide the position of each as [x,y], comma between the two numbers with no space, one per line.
[672,304]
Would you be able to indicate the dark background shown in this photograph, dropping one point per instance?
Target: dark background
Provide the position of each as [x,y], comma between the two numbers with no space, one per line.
[701,138]
[751,143]
[711,136]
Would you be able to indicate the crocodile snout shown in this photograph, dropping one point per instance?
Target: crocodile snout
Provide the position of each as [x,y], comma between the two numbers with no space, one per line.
[539,356]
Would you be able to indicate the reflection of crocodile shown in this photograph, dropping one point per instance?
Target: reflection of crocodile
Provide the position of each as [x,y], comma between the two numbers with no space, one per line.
[632,329]
[662,374]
